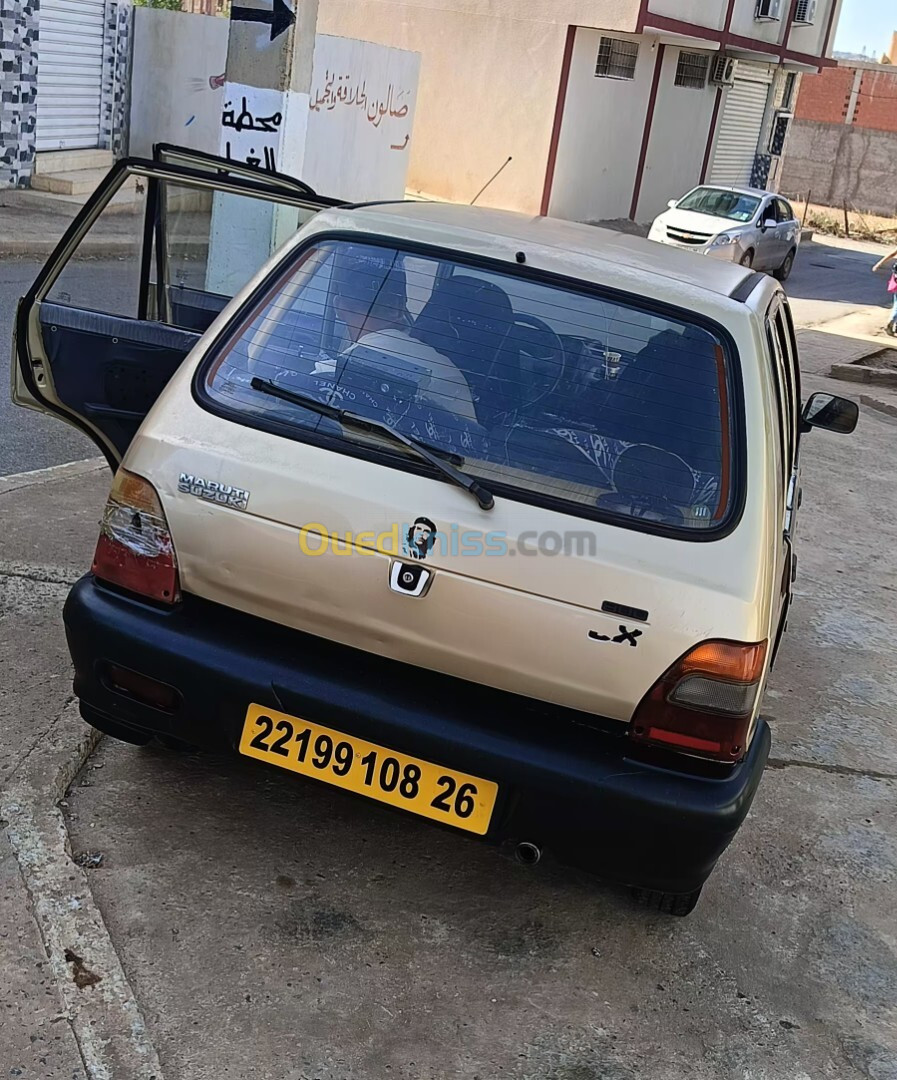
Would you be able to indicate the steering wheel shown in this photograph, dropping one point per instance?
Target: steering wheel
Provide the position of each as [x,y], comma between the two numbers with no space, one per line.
[542,358]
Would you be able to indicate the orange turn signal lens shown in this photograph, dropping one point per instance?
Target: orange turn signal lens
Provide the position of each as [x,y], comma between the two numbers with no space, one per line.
[727,660]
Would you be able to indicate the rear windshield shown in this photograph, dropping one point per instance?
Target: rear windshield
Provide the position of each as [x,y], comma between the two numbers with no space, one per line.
[718,202]
[541,391]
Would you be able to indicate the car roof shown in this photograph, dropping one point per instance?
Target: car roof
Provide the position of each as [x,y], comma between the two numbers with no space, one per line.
[567,248]
[759,193]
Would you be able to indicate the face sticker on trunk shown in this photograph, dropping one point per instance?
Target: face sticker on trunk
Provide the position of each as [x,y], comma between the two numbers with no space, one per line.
[420,539]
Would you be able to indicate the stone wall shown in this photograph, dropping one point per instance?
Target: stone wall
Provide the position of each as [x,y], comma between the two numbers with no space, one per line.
[18,89]
[19,61]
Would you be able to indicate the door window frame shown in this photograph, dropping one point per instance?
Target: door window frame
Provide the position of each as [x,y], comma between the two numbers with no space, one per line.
[27,321]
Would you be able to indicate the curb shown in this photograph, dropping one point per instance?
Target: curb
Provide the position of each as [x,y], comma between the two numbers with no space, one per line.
[69,470]
[886,407]
[42,248]
[98,1001]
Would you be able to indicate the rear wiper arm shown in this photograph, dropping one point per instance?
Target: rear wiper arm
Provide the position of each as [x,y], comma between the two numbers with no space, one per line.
[343,416]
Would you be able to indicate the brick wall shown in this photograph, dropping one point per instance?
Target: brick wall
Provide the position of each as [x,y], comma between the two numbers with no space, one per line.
[877,104]
[825,97]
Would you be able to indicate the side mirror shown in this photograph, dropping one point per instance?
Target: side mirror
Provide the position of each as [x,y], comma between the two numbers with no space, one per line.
[673,203]
[769,223]
[830,413]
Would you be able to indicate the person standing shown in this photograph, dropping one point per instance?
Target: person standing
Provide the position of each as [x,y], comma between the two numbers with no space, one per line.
[891,327]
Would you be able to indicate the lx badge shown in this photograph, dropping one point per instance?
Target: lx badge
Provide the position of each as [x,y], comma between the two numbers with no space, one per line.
[625,635]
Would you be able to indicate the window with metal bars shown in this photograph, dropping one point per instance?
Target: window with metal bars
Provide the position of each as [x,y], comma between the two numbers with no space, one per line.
[616,59]
[692,70]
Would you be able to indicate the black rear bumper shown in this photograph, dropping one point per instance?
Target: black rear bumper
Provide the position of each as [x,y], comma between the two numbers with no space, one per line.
[562,784]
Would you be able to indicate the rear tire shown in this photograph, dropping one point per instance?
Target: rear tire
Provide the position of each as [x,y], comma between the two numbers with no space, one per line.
[747,259]
[784,271]
[679,904]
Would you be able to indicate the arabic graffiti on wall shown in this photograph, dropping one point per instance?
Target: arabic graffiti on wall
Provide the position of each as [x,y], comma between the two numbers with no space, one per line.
[252,125]
[346,90]
[360,118]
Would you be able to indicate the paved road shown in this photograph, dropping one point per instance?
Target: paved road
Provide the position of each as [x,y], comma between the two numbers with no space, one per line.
[830,279]
[27,439]
[833,277]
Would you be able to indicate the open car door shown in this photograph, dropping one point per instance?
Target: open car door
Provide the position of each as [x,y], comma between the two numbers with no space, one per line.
[153,257]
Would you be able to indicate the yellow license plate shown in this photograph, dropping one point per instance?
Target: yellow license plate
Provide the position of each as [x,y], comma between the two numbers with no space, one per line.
[368,769]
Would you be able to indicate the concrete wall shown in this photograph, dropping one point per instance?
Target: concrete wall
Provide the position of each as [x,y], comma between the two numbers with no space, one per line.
[601,135]
[603,129]
[172,100]
[489,83]
[710,13]
[838,162]
[678,142]
[361,119]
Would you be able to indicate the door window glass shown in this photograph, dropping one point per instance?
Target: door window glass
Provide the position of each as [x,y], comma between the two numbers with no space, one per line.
[782,404]
[214,242]
[103,273]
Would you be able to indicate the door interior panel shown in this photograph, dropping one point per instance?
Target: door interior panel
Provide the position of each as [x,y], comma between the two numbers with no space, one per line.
[103,372]
[110,369]
[194,309]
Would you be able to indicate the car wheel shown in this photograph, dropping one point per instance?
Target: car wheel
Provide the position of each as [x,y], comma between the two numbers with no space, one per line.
[784,271]
[680,904]
[747,259]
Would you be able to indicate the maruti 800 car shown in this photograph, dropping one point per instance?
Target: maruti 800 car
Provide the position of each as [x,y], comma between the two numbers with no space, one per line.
[482,517]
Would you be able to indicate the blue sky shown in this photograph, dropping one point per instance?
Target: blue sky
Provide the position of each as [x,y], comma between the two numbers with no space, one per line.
[867,23]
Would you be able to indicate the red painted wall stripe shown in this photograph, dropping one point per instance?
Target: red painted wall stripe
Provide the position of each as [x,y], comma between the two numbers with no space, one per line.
[789,24]
[729,16]
[558,120]
[831,27]
[723,38]
[713,119]
[646,137]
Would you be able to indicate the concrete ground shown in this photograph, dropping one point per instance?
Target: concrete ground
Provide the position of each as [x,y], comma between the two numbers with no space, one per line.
[271,928]
[49,524]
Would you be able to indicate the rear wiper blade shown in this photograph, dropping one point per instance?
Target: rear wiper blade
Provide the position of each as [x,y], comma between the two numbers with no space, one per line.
[343,416]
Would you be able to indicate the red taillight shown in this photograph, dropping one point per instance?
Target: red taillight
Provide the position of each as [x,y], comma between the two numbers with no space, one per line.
[705,703]
[135,550]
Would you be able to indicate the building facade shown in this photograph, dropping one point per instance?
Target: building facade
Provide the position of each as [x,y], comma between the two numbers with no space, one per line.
[63,79]
[842,147]
[606,108]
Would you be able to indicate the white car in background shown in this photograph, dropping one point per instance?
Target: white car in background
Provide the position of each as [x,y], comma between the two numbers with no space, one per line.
[741,225]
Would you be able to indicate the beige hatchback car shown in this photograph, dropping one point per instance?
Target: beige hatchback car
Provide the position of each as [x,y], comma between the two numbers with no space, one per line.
[483,517]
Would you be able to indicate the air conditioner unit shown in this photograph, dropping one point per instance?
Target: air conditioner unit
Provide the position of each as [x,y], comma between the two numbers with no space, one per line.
[723,71]
[805,12]
[769,10]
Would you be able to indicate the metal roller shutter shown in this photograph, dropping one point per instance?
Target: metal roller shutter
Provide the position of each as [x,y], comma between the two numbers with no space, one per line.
[741,125]
[69,73]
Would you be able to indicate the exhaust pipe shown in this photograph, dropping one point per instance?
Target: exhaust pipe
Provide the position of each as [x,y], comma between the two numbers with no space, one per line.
[528,854]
